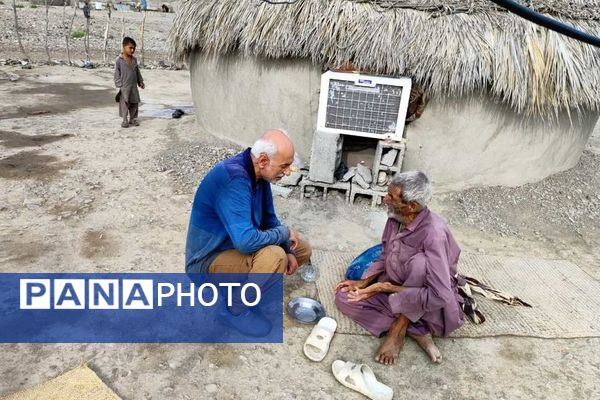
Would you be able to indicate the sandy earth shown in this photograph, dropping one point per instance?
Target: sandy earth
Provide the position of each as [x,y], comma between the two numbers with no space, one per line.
[80,194]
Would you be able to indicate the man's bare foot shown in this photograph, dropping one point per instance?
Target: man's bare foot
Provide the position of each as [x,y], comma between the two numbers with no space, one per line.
[426,343]
[389,350]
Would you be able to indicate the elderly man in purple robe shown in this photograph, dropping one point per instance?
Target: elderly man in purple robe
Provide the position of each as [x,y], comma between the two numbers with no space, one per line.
[411,288]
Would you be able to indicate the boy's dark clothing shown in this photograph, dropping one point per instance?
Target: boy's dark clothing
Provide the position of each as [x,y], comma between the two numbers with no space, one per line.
[127,79]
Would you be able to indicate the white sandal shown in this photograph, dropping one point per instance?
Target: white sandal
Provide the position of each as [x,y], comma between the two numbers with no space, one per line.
[317,343]
[360,377]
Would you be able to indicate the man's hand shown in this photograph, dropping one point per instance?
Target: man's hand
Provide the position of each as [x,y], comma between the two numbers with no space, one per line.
[292,265]
[370,291]
[142,86]
[364,293]
[294,238]
[350,285]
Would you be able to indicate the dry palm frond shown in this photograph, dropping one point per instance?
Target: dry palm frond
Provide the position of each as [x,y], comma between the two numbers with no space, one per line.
[455,47]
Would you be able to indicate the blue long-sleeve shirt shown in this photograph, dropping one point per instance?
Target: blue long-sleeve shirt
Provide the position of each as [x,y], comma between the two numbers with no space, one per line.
[232,210]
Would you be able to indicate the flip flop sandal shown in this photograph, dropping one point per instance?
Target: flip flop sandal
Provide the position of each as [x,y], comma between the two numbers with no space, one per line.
[317,343]
[360,377]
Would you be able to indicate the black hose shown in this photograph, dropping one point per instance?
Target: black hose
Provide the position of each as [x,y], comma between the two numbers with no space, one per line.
[548,22]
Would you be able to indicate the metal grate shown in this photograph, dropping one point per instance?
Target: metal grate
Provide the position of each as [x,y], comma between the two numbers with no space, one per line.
[363,109]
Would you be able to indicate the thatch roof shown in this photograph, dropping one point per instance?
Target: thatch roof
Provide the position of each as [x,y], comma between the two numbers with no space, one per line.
[454,47]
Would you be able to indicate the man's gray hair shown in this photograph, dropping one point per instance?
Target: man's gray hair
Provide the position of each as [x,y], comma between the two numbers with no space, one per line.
[266,146]
[415,187]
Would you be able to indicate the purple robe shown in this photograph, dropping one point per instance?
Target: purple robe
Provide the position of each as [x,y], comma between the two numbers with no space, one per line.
[422,259]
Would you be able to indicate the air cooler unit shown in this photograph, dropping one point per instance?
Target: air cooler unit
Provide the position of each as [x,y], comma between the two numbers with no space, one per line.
[363,105]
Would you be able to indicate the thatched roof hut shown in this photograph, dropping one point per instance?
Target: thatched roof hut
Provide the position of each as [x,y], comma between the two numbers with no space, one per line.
[452,48]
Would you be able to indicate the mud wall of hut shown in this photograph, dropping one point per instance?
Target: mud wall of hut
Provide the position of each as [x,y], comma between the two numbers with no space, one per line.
[459,142]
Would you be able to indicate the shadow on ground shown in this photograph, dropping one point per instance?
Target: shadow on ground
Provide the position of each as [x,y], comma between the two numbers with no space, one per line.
[65,98]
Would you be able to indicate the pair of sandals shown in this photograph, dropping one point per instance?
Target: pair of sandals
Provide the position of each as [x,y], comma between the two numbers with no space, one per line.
[359,377]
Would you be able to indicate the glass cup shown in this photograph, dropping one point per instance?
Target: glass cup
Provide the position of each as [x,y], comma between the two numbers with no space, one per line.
[309,272]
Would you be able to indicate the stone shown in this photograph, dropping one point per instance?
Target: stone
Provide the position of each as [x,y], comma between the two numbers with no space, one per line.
[382,178]
[291,180]
[9,76]
[364,172]
[360,181]
[33,202]
[211,388]
[281,191]
[349,175]
[389,158]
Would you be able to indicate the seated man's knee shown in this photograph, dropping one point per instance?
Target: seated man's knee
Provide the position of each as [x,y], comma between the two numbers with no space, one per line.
[341,301]
[271,259]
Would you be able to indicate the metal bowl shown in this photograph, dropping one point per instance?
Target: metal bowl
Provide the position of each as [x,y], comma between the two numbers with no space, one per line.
[305,310]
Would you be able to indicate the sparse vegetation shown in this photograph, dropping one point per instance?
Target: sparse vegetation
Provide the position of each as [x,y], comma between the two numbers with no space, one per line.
[77,34]
[33,6]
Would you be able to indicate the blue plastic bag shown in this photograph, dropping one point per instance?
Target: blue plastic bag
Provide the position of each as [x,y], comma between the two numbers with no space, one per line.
[362,262]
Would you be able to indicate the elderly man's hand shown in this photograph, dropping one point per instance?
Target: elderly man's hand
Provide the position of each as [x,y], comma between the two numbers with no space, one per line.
[349,285]
[365,293]
[372,290]
[292,265]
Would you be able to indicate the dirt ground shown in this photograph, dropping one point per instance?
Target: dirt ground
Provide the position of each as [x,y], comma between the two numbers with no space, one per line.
[80,194]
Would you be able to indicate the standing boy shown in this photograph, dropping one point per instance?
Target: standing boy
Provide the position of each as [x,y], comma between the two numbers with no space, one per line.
[127,78]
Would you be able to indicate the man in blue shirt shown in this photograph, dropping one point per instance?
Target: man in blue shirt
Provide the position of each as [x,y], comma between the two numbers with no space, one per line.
[233,227]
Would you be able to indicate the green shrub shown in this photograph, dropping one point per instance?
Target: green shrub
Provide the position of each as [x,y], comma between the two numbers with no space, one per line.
[77,34]
[33,6]
[20,6]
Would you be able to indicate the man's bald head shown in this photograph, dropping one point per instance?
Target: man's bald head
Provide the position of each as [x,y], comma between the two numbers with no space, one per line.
[274,142]
[273,155]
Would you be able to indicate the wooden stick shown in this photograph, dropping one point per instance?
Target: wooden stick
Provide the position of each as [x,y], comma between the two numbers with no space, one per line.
[17,30]
[109,8]
[142,36]
[46,31]
[75,7]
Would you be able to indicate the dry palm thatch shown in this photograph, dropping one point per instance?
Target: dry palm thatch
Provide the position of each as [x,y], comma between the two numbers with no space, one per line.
[455,47]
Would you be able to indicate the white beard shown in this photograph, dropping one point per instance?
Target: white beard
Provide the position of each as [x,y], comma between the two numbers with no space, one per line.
[393,215]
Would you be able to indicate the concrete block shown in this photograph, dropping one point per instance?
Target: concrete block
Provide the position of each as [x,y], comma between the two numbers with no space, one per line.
[389,158]
[377,196]
[383,154]
[325,156]
[306,185]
